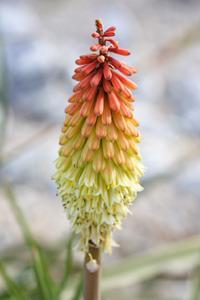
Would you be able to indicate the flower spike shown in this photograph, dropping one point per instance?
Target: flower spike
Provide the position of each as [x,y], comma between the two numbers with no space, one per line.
[99,165]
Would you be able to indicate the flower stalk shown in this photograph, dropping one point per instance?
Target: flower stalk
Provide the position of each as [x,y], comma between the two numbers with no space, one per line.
[92,273]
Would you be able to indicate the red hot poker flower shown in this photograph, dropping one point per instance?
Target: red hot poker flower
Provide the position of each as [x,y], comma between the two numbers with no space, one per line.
[99,168]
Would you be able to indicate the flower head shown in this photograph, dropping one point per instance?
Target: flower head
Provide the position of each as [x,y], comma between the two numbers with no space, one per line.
[99,165]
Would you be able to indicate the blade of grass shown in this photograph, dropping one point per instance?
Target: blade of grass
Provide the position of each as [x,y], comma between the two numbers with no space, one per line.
[196,283]
[13,289]
[46,285]
[138,268]
[5,296]
[19,215]
[41,270]
[79,289]
[68,264]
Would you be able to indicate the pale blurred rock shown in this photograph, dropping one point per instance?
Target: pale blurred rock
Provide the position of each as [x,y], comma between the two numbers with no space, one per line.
[183,91]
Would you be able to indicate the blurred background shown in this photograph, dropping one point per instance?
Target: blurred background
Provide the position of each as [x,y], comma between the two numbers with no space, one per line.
[39,42]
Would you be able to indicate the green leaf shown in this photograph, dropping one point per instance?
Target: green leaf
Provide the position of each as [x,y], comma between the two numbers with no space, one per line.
[68,264]
[5,296]
[45,284]
[196,283]
[79,289]
[19,215]
[13,289]
[44,281]
[137,268]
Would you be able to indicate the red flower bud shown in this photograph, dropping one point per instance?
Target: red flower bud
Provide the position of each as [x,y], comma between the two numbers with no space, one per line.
[90,94]
[84,61]
[116,63]
[130,84]
[96,78]
[78,76]
[106,116]
[127,94]
[106,71]
[126,70]
[113,42]
[91,119]
[99,25]
[111,28]
[99,106]
[109,33]
[91,56]
[114,102]
[85,108]
[95,35]
[83,83]
[117,84]
[95,47]
[107,86]
[120,51]
[122,67]
[72,108]
[89,67]
[126,111]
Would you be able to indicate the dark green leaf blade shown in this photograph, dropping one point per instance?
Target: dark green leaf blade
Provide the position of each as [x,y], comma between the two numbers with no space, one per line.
[68,264]
[12,287]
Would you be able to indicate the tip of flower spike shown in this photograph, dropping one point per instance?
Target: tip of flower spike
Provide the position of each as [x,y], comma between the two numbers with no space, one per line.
[104,38]
[99,24]
[100,69]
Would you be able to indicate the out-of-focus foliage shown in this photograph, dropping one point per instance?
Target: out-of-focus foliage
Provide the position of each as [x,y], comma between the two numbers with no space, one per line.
[35,280]
[3,91]
[38,274]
